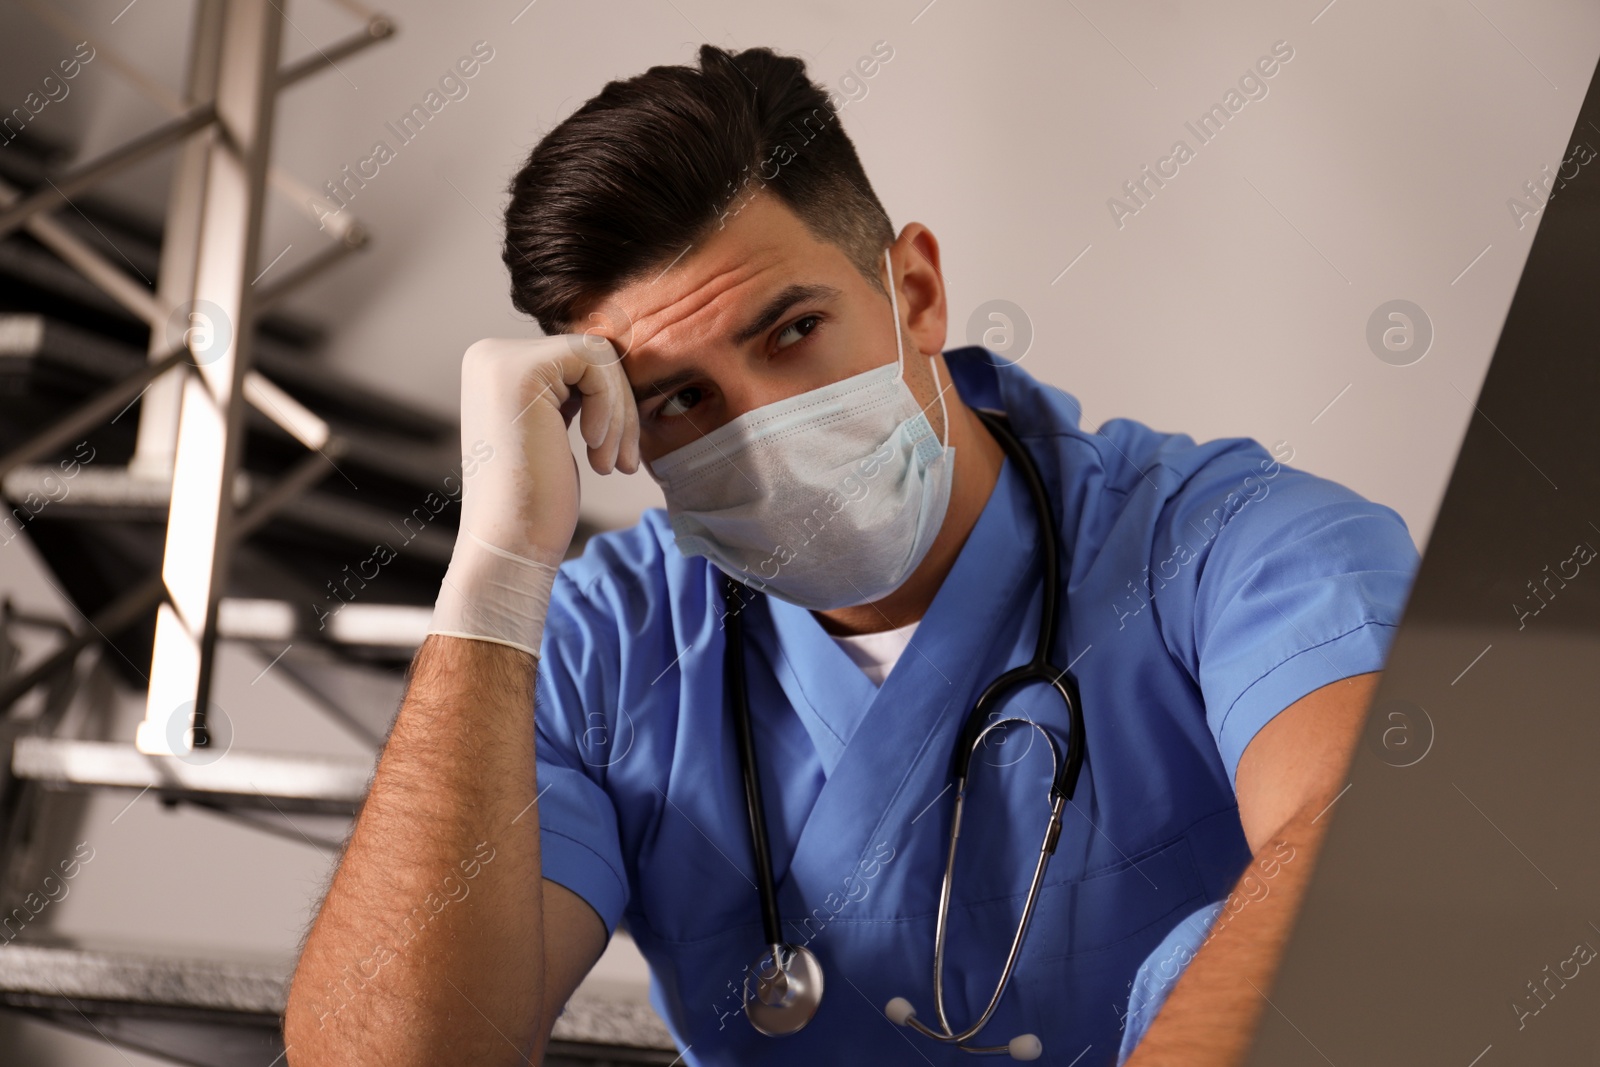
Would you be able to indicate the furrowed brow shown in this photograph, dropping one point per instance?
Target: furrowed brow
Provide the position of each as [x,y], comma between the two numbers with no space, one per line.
[779,306]
[768,317]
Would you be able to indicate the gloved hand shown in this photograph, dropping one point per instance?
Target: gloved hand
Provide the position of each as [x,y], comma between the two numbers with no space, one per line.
[519,507]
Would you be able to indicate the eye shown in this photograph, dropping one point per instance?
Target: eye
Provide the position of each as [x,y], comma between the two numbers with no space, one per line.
[675,404]
[798,330]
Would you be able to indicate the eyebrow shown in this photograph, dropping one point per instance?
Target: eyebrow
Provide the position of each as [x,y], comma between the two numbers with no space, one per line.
[779,306]
[773,310]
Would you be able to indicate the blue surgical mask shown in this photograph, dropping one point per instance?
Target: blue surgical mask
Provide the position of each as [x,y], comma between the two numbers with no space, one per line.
[826,499]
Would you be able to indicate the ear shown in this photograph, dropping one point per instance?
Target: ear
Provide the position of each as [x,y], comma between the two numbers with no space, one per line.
[921,288]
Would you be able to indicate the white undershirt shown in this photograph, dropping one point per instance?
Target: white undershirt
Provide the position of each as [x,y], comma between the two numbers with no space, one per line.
[876,653]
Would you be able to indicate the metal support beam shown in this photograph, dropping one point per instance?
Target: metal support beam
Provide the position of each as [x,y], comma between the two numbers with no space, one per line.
[353,239]
[293,417]
[137,603]
[271,401]
[210,428]
[158,410]
[115,282]
[92,412]
[81,178]
[377,28]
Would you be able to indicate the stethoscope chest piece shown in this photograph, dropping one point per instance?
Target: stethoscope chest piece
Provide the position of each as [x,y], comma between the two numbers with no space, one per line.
[784,997]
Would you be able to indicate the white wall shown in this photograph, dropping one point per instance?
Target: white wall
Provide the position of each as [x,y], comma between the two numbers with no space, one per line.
[1378,166]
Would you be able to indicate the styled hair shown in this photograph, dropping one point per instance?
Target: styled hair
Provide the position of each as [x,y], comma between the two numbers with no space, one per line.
[654,163]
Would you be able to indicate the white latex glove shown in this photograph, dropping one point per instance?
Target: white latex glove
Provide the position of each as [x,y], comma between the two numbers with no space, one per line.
[519,507]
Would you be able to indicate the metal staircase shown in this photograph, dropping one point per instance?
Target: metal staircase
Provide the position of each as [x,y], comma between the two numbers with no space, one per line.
[276,470]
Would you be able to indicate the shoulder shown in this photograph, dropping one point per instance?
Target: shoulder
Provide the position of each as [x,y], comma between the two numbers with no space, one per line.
[1259,495]
[1124,462]
[1128,490]
[1177,489]
[620,561]
[632,582]
[626,568]
[1138,490]
[1132,458]
[1154,511]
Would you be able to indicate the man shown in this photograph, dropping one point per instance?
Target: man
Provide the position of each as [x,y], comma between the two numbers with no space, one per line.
[742,320]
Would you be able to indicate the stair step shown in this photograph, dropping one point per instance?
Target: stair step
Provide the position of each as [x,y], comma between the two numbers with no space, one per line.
[599,1020]
[285,782]
[42,965]
[50,974]
[114,491]
[98,494]
[344,623]
[43,347]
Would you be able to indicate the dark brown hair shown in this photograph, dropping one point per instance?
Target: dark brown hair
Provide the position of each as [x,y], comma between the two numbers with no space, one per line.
[645,169]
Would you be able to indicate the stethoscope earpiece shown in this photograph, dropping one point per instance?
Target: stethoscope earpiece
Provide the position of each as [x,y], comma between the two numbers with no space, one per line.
[1021,1047]
[1025,1047]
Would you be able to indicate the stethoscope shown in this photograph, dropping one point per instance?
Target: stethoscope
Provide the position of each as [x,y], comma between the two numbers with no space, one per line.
[787,977]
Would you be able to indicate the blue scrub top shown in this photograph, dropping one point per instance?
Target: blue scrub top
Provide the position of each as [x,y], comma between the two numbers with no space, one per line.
[1206,588]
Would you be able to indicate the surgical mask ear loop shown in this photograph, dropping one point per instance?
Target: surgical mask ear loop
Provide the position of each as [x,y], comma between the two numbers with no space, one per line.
[944,413]
[894,305]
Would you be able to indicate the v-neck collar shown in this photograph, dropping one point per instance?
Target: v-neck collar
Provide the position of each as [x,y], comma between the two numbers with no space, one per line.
[888,749]
[829,692]
[833,697]
[898,756]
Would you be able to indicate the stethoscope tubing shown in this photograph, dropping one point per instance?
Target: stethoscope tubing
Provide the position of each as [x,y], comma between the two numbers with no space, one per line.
[1064,771]
[733,666]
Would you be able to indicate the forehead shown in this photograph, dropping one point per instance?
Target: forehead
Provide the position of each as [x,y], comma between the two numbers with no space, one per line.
[700,298]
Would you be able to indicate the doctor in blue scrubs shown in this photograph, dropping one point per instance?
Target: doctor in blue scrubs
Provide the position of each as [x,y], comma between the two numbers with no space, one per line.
[729,309]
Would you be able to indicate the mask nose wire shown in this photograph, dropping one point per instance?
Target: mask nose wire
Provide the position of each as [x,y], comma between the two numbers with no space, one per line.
[900,351]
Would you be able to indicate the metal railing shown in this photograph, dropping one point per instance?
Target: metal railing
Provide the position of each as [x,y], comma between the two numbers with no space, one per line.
[191,421]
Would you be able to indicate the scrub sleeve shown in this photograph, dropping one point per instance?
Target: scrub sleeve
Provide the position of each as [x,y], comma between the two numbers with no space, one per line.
[579,666]
[1288,582]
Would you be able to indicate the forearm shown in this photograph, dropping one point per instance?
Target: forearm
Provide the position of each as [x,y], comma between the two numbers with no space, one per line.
[429,945]
[1210,1016]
